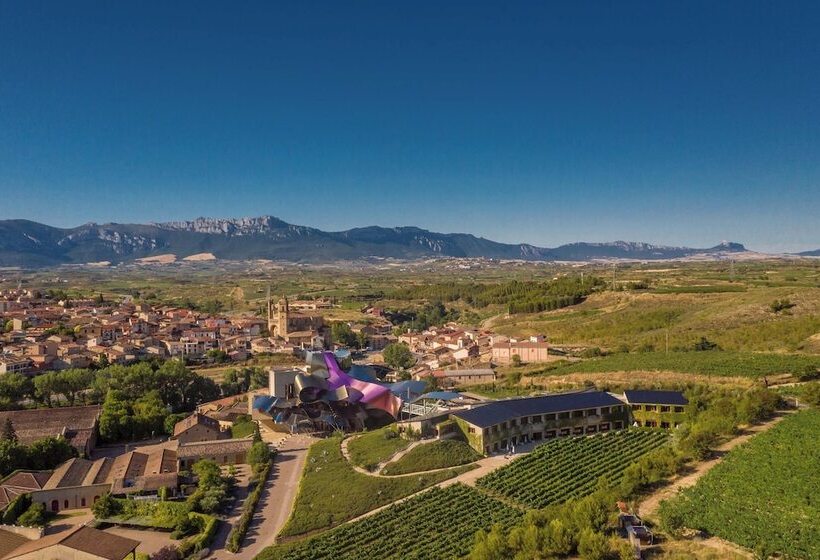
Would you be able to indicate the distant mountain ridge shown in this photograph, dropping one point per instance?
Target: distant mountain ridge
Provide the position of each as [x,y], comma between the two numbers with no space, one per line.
[31,244]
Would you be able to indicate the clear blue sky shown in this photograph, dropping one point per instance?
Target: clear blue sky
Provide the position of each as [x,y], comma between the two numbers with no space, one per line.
[668,122]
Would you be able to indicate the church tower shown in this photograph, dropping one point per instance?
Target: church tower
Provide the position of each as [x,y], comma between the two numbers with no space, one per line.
[282,316]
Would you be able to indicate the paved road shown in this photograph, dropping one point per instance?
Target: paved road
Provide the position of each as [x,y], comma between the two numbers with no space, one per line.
[277,499]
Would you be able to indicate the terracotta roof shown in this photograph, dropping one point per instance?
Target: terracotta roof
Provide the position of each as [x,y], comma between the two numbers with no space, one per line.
[75,423]
[193,420]
[215,447]
[10,541]
[85,539]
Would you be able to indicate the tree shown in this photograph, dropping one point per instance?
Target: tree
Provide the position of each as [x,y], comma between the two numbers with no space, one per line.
[342,334]
[34,516]
[49,452]
[259,454]
[558,538]
[398,356]
[592,545]
[257,435]
[13,456]
[490,546]
[9,433]
[779,305]
[704,344]
[516,360]
[105,508]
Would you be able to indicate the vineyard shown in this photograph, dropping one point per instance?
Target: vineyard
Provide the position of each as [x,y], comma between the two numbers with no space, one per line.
[568,468]
[718,363]
[331,492]
[765,495]
[435,525]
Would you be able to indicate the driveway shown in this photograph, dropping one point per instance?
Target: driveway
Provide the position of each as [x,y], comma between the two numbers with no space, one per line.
[276,501]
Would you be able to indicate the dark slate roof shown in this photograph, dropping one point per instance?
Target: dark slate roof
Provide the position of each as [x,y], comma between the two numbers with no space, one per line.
[675,398]
[499,411]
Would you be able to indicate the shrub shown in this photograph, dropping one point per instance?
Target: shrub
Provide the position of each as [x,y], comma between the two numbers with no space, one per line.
[19,505]
[259,454]
[34,516]
[200,541]
[238,532]
[592,545]
[106,507]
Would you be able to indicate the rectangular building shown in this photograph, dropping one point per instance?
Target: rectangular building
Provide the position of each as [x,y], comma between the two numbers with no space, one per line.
[657,409]
[497,425]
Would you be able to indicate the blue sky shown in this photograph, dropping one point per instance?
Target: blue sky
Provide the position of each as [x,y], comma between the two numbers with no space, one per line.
[678,123]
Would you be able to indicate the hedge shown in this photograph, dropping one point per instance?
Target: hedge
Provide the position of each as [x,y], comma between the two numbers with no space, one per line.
[200,541]
[238,532]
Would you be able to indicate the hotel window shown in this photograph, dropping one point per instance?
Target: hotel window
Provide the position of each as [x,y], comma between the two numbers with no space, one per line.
[651,408]
[636,407]
[678,409]
[577,413]
[550,417]
[665,409]
[604,410]
[536,419]
[525,420]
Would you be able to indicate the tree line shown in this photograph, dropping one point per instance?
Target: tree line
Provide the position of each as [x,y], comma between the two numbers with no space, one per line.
[517,295]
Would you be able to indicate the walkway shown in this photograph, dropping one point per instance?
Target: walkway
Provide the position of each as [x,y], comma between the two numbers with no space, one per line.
[277,498]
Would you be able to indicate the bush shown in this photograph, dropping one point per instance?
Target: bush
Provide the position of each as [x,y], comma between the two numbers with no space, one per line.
[592,545]
[16,508]
[188,525]
[238,532]
[200,541]
[34,516]
[259,454]
[106,507]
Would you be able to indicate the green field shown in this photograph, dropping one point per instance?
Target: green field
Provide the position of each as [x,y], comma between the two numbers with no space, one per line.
[436,455]
[371,448]
[436,525]
[331,492]
[567,468]
[765,495]
[718,363]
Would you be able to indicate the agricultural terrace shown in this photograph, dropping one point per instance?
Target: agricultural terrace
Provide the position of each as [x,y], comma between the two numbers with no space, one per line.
[371,448]
[435,525]
[765,495]
[331,491]
[567,468]
[715,363]
[430,456]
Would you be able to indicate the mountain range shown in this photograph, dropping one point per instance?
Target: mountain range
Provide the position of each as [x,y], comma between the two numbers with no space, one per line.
[30,244]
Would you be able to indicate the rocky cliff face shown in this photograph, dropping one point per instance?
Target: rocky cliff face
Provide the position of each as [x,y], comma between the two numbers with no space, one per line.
[25,243]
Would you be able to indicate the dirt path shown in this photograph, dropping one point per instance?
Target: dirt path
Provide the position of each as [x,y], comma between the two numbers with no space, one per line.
[649,505]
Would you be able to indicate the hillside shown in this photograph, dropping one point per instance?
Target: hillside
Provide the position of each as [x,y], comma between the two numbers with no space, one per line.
[31,244]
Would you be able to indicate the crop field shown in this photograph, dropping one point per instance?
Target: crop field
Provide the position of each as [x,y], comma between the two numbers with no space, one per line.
[436,525]
[765,495]
[436,455]
[567,468]
[371,448]
[331,492]
[715,362]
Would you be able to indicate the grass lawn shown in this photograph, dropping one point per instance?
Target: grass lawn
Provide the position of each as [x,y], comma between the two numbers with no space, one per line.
[436,455]
[718,363]
[372,448]
[331,492]
[242,428]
